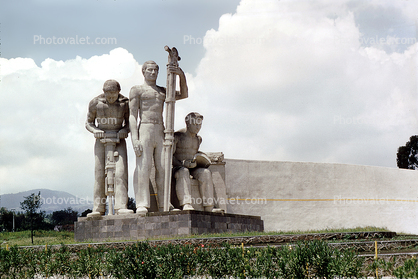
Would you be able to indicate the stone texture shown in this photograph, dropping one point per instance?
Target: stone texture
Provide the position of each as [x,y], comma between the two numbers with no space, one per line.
[292,196]
[134,227]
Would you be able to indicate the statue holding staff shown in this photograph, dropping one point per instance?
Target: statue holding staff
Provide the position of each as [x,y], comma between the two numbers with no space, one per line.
[146,103]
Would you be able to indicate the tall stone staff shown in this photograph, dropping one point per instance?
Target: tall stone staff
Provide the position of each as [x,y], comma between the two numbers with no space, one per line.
[173,58]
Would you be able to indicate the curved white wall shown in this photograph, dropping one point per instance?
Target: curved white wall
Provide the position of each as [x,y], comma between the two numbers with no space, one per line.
[309,196]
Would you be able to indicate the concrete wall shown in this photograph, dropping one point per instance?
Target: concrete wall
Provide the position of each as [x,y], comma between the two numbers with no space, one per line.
[309,196]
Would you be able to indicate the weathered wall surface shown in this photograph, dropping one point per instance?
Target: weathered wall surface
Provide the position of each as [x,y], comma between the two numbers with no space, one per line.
[309,196]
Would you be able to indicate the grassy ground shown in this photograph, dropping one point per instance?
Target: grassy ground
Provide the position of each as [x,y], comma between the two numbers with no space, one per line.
[40,238]
[52,237]
[365,229]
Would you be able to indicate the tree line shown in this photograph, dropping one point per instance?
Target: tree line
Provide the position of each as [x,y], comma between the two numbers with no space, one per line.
[407,158]
[31,217]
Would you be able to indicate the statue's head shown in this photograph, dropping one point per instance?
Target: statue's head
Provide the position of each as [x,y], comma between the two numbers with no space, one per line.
[150,70]
[111,89]
[194,122]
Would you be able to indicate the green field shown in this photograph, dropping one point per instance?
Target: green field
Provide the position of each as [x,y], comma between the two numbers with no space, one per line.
[53,238]
[40,238]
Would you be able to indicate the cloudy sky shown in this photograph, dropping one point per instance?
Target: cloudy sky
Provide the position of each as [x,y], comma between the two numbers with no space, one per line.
[316,81]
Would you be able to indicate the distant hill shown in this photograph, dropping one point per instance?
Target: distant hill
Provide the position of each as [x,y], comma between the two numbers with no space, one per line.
[52,200]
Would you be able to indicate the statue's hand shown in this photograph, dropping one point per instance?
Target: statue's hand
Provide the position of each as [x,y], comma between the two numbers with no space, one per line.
[99,134]
[137,148]
[175,70]
[189,164]
[123,134]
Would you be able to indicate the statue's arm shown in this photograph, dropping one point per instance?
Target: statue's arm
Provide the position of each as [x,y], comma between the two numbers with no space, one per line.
[134,95]
[199,138]
[124,131]
[91,119]
[133,113]
[184,91]
[176,162]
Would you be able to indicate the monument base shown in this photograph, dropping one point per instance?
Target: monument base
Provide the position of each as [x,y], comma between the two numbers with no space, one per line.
[162,224]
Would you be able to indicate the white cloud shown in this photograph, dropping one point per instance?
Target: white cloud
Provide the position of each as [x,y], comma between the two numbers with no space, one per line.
[15,64]
[279,81]
[291,81]
[43,141]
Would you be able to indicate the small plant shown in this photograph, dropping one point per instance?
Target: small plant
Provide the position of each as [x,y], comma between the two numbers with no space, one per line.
[409,269]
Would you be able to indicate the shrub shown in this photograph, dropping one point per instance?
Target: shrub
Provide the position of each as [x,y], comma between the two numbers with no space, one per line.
[303,260]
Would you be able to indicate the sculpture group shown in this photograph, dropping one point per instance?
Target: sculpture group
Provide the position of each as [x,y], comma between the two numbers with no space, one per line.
[111,117]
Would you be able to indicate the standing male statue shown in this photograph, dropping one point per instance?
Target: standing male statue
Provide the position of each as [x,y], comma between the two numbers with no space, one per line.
[187,160]
[147,102]
[108,120]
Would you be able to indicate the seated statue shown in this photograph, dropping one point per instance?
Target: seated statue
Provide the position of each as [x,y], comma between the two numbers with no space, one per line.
[188,161]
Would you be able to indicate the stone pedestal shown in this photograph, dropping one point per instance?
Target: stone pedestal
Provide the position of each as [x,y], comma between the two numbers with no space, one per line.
[163,224]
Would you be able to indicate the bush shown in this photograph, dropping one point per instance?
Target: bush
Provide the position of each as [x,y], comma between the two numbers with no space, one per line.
[408,270]
[303,260]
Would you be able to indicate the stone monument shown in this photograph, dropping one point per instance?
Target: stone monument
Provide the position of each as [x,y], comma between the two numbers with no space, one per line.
[109,119]
[147,102]
[189,163]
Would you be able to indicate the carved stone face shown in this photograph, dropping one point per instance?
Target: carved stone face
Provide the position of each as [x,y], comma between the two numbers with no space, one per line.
[151,72]
[194,125]
[111,96]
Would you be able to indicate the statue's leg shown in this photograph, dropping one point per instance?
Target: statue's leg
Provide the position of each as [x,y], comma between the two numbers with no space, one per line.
[183,186]
[99,203]
[121,175]
[135,180]
[159,161]
[204,177]
[144,164]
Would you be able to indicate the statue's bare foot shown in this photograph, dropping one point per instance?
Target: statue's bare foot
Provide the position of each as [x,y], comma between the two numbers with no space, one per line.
[95,214]
[212,209]
[208,208]
[188,206]
[217,210]
[141,210]
[125,211]
[170,208]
